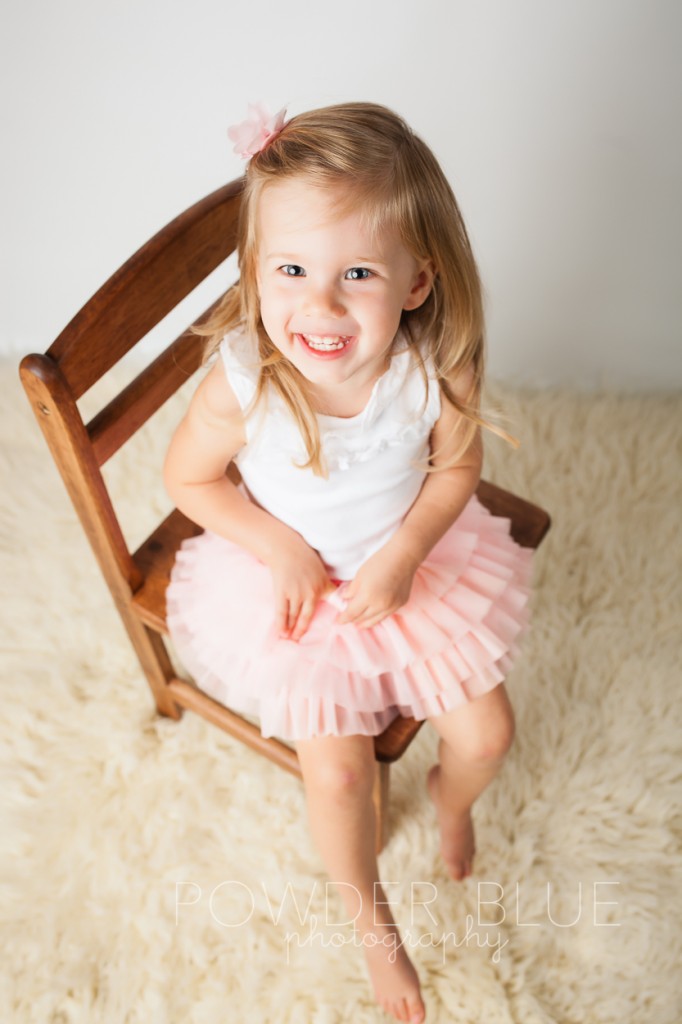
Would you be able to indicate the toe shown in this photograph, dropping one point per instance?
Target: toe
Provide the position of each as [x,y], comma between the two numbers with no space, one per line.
[457,870]
[416,1013]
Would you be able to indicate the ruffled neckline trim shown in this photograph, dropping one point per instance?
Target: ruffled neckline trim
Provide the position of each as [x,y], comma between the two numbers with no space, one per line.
[350,439]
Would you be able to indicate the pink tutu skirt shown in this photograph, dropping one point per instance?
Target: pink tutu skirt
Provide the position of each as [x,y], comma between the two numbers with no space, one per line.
[453,641]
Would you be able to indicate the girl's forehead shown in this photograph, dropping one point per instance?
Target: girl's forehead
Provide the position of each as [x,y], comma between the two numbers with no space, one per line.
[298,201]
[296,207]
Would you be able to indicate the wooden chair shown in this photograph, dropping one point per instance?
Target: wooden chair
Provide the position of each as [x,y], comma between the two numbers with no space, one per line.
[123,311]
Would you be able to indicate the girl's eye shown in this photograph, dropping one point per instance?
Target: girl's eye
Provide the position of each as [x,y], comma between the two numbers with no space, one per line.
[292,270]
[358,274]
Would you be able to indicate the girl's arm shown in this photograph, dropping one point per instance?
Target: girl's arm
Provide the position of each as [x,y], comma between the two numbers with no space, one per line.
[383,582]
[443,495]
[205,442]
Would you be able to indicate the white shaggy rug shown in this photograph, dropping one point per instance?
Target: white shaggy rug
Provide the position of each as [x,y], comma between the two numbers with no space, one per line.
[157,872]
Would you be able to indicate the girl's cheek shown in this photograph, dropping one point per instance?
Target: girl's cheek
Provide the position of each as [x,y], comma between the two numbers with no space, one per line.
[280,292]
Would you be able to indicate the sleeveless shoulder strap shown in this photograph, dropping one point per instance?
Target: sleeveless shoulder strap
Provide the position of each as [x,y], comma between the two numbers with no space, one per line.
[240,362]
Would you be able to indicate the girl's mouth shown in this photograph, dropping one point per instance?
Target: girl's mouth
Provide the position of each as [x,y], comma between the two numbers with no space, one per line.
[326,346]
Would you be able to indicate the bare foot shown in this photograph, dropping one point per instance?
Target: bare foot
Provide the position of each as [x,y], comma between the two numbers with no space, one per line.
[457,844]
[395,981]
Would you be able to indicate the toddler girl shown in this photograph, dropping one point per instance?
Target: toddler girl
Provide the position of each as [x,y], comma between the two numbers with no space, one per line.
[352,576]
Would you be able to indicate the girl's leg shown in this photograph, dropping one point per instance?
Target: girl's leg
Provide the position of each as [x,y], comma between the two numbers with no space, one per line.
[338,772]
[473,741]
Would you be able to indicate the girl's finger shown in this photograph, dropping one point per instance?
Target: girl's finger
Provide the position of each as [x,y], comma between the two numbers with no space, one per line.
[352,613]
[303,621]
[289,618]
[372,620]
[373,616]
[282,617]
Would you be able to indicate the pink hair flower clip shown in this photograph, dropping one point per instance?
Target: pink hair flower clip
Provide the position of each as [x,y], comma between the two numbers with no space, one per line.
[260,127]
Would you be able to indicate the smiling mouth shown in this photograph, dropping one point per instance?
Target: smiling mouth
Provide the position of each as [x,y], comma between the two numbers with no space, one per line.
[325,342]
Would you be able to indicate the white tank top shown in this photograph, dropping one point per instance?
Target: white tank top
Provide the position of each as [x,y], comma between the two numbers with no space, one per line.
[372,481]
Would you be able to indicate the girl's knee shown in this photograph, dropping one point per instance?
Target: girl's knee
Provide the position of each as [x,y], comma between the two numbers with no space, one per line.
[500,737]
[338,771]
[341,780]
[493,739]
[487,737]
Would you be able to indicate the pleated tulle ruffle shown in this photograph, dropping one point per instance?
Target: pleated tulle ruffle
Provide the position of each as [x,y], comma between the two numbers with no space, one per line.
[453,641]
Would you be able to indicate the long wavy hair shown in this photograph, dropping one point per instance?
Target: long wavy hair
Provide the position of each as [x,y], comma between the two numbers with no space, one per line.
[372,159]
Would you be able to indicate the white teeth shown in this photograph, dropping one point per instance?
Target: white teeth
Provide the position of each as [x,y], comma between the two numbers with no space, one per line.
[325,344]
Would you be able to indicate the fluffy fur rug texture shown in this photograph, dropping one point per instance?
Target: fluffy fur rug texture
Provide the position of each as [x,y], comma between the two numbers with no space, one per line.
[161,873]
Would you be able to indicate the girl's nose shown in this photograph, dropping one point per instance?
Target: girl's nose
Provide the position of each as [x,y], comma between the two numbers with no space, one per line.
[322,300]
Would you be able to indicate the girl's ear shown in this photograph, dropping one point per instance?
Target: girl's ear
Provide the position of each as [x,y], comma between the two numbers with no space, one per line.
[421,285]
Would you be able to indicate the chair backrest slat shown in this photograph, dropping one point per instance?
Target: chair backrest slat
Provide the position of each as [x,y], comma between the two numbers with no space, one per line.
[147,288]
[133,406]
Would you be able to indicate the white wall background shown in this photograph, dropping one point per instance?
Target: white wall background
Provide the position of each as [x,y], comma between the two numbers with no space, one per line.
[557,122]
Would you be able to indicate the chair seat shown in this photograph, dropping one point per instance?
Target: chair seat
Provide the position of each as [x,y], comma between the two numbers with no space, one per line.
[528,523]
[155,560]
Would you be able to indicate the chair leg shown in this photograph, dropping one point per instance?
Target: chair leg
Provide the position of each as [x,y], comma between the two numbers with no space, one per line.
[380,800]
[155,663]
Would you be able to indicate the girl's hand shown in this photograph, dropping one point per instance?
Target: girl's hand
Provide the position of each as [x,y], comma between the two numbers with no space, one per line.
[381,586]
[300,580]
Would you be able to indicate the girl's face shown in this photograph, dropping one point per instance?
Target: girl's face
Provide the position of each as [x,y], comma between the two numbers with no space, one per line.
[331,294]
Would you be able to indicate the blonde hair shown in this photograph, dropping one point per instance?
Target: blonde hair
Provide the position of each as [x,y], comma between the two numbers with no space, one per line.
[394,180]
